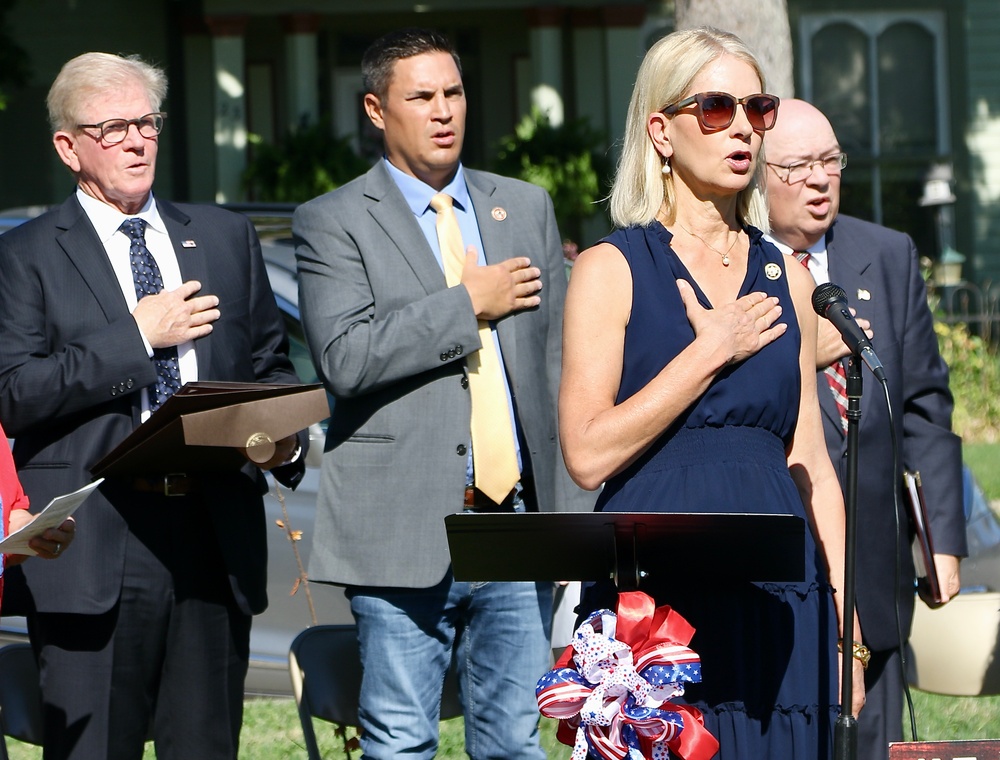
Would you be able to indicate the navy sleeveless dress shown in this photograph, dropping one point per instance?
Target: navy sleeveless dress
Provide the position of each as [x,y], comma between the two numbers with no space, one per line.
[769,655]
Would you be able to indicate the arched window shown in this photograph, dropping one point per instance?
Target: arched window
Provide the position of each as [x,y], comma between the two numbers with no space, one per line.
[881,79]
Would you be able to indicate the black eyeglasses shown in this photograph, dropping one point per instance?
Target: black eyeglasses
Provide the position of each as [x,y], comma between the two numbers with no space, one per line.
[716,110]
[833,164]
[114,131]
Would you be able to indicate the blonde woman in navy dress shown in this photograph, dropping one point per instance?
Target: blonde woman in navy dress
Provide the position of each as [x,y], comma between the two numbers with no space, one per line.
[689,385]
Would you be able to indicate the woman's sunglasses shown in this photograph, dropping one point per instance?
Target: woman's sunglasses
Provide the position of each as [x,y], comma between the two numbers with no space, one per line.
[716,110]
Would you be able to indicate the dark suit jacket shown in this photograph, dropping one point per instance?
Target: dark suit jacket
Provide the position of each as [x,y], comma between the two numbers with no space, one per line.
[869,260]
[72,364]
[390,340]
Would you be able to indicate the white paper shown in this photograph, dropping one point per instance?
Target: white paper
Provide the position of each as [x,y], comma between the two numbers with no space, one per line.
[52,516]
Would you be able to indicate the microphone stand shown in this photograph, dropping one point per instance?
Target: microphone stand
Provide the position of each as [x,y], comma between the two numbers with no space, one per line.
[845,735]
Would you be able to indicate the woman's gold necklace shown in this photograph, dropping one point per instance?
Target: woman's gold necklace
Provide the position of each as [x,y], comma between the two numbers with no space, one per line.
[725,256]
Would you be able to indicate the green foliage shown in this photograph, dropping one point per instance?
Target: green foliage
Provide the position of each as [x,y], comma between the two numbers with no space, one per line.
[306,163]
[982,459]
[947,718]
[975,382]
[14,67]
[567,160]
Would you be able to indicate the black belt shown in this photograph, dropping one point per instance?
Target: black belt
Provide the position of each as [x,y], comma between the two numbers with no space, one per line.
[477,501]
[171,484]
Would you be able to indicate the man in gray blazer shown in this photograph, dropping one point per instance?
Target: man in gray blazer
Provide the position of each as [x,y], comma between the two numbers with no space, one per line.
[878,269]
[394,345]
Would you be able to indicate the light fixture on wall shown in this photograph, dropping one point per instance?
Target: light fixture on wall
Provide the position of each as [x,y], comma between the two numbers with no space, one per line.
[939,196]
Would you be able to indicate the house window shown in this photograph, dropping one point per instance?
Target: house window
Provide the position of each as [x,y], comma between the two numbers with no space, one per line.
[881,79]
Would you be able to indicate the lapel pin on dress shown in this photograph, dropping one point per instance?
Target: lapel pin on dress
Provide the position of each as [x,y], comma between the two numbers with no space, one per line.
[188,244]
[864,295]
[499,213]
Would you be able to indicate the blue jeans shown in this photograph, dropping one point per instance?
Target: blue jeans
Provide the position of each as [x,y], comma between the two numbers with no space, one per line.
[498,634]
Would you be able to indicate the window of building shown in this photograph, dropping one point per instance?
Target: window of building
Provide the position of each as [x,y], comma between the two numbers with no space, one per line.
[881,78]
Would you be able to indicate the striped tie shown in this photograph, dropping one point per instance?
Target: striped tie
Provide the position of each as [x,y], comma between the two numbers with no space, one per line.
[836,375]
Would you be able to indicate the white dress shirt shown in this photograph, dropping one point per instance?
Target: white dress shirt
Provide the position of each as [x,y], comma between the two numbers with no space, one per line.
[106,221]
[819,260]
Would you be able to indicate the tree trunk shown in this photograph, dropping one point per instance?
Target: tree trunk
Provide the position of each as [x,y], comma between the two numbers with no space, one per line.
[761,24]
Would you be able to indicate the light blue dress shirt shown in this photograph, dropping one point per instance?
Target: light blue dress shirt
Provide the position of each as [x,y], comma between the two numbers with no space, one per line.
[418,196]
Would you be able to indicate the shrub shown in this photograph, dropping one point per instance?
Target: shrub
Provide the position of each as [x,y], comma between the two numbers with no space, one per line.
[567,160]
[975,382]
[305,163]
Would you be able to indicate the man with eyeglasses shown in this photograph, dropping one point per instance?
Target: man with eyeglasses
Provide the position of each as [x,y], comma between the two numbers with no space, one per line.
[108,303]
[879,270]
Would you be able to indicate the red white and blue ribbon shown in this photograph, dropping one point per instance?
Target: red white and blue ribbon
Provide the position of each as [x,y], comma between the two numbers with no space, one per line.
[613,699]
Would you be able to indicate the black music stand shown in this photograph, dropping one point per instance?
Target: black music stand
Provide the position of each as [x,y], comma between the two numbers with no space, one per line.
[625,546]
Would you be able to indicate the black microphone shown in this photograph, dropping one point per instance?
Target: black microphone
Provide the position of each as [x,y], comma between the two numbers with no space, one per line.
[830,301]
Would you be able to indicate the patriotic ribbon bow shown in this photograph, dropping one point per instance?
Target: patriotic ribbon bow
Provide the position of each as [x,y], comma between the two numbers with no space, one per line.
[615,702]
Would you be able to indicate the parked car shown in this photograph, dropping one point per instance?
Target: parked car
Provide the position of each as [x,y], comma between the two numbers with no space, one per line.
[14,216]
[291,603]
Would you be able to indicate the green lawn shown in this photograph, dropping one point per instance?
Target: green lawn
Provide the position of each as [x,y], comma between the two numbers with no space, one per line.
[271,729]
[984,460]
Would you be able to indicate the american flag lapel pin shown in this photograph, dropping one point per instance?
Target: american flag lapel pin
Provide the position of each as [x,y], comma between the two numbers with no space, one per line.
[188,244]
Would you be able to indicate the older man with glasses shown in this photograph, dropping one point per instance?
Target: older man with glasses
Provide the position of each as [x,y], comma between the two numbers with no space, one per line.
[879,270]
[108,303]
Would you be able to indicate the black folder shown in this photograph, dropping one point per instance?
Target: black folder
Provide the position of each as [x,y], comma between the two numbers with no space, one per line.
[923,541]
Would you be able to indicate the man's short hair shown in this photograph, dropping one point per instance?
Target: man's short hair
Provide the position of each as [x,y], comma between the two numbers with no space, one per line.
[381,56]
[92,74]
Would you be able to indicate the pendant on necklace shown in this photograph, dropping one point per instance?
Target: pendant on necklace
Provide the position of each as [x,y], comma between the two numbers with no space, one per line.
[725,259]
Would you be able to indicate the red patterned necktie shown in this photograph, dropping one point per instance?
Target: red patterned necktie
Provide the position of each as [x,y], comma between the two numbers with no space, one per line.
[836,375]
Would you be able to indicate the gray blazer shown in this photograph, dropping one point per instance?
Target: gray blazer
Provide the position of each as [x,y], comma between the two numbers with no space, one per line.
[881,265]
[390,339]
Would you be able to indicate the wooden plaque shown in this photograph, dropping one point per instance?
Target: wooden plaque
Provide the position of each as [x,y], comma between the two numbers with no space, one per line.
[958,750]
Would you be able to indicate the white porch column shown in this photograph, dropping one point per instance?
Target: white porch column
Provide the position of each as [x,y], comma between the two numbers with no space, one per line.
[590,69]
[623,41]
[301,68]
[590,84]
[199,105]
[230,105]
[546,43]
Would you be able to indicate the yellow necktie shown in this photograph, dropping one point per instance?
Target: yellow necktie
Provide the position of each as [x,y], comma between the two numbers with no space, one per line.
[494,460]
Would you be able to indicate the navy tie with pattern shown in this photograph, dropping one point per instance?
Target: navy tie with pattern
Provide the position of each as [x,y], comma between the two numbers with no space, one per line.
[148,282]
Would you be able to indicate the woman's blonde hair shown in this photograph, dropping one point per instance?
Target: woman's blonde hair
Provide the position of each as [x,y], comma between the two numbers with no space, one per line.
[93,74]
[640,188]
